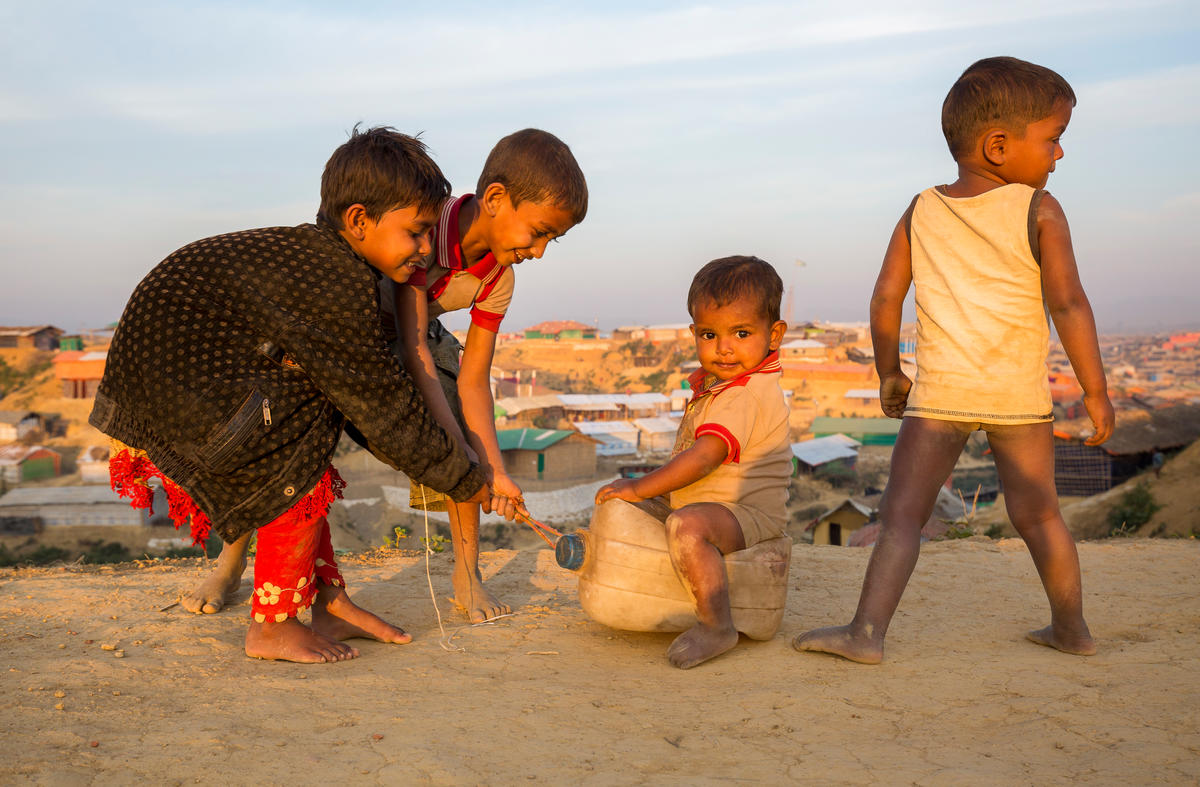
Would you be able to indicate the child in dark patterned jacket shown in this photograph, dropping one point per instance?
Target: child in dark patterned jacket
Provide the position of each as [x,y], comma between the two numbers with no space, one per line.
[235,365]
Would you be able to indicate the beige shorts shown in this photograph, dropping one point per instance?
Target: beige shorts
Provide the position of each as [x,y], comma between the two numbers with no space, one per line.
[757,526]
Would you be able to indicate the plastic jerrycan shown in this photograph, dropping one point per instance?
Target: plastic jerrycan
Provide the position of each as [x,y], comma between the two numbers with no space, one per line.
[626,580]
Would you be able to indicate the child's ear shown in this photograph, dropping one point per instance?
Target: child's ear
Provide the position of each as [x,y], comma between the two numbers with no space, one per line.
[994,143]
[354,221]
[493,198]
[777,332]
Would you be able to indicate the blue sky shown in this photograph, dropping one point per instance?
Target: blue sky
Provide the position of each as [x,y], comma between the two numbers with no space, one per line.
[794,131]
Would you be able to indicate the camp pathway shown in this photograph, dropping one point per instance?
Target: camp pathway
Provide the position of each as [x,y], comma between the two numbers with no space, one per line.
[100,686]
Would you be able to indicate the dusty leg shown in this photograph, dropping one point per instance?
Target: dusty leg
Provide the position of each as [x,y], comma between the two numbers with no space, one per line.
[698,538]
[926,451]
[1025,461]
[212,594]
[337,617]
[469,590]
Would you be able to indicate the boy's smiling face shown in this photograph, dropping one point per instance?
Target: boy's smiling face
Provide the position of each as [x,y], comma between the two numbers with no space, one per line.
[522,233]
[395,244]
[734,338]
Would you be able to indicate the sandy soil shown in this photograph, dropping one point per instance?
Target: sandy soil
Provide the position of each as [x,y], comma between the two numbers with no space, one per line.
[548,696]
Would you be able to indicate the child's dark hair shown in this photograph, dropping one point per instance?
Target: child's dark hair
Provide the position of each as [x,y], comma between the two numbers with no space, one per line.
[537,166]
[380,169]
[725,280]
[999,91]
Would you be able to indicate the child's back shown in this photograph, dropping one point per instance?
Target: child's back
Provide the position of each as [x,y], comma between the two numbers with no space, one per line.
[982,334]
[983,253]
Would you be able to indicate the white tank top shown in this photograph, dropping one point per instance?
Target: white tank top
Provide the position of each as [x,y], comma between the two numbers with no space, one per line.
[982,329]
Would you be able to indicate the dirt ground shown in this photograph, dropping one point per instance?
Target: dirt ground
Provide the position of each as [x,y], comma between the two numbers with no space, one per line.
[103,686]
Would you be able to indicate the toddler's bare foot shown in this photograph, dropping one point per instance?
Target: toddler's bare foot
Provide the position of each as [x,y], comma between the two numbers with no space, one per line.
[472,596]
[291,640]
[841,641]
[699,644]
[1077,644]
[218,588]
[337,617]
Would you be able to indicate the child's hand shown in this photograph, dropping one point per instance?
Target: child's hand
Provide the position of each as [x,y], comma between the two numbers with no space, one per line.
[507,498]
[481,497]
[621,489]
[1100,410]
[893,394]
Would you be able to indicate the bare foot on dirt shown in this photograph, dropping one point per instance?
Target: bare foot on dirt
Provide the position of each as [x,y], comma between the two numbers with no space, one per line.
[472,596]
[291,640]
[1076,645]
[699,644]
[337,617]
[217,589]
[841,641]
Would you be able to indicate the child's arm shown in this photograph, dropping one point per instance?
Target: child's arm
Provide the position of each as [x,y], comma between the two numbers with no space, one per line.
[887,305]
[1072,315]
[412,315]
[479,411]
[686,467]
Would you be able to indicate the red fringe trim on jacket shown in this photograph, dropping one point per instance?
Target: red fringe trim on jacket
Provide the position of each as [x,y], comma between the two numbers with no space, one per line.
[130,474]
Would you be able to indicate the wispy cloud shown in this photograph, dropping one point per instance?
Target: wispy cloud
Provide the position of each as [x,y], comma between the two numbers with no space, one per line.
[1162,97]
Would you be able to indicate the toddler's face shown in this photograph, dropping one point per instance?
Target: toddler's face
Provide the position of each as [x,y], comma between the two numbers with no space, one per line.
[734,338]
[1031,159]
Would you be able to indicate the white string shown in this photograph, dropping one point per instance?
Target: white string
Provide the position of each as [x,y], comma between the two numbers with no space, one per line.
[444,641]
[447,641]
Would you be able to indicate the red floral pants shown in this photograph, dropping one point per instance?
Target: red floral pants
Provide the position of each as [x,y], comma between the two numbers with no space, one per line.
[294,553]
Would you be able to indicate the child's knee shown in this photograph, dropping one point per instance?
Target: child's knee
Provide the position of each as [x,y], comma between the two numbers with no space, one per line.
[688,524]
[680,524]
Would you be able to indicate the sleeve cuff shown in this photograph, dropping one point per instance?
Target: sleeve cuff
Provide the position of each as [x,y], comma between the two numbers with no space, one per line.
[486,320]
[468,485]
[733,453]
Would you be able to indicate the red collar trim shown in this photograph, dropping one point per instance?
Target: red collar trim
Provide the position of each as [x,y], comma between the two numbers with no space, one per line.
[698,378]
[448,243]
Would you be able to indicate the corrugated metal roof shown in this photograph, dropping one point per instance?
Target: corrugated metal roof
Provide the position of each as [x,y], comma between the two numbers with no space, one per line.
[818,451]
[611,445]
[530,439]
[823,424]
[861,508]
[862,393]
[61,495]
[597,428]
[15,453]
[518,404]
[586,402]
[656,425]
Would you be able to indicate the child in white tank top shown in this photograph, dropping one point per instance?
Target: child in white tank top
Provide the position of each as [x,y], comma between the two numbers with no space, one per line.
[988,254]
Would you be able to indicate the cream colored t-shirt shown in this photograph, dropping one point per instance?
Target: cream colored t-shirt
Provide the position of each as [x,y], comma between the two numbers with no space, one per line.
[750,414]
[982,329]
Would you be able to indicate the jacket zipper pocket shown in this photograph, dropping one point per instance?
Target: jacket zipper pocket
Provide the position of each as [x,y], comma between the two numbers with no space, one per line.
[266,410]
[236,432]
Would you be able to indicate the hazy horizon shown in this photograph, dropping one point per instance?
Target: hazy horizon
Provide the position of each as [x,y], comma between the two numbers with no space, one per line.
[789,131]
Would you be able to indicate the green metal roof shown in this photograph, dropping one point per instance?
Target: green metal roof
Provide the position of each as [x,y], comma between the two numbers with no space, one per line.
[530,439]
[825,424]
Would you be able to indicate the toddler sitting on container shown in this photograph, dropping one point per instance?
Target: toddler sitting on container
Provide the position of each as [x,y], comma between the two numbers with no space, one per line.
[728,476]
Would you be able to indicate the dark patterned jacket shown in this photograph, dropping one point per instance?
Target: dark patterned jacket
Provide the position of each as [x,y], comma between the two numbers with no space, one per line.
[237,361]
